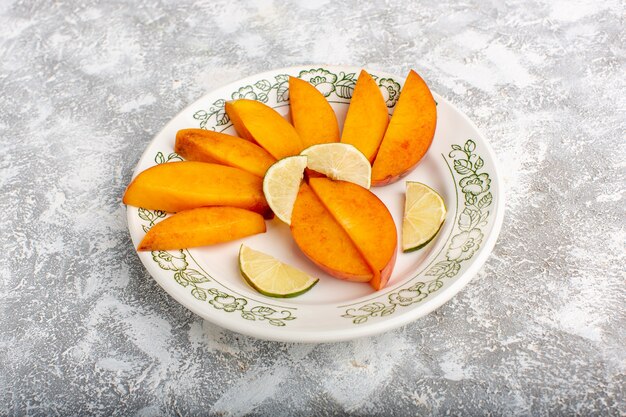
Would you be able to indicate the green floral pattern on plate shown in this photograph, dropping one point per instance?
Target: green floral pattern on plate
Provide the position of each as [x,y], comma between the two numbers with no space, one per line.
[333,86]
[177,262]
[474,186]
[195,280]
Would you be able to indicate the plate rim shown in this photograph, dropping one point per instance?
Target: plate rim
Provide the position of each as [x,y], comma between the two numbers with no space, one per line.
[336,335]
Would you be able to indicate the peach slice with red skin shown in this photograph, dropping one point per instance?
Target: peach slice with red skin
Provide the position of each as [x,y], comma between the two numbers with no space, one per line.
[202,226]
[256,121]
[214,147]
[323,240]
[178,186]
[312,116]
[367,117]
[367,222]
[409,134]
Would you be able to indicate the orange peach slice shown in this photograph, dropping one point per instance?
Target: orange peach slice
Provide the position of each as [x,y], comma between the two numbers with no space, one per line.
[254,120]
[367,117]
[312,116]
[202,226]
[366,220]
[409,134]
[208,146]
[323,241]
[177,186]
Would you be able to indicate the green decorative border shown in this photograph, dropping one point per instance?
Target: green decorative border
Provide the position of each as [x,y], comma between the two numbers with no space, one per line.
[475,186]
[176,261]
[333,86]
[195,280]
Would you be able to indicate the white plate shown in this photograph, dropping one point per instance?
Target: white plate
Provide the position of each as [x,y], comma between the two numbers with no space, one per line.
[460,165]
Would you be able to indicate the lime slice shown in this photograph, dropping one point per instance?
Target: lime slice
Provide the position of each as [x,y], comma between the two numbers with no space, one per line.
[271,277]
[281,184]
[424,213]
[339,161]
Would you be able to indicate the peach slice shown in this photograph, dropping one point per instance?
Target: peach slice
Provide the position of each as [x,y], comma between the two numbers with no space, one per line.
[312,116]
[323,241]
[366,220]
[177,186]
[367,117]
[254,120]
[202,226]
[409,134]
[208,146]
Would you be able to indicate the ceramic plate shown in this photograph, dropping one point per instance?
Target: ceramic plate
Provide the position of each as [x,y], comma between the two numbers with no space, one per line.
[460,166]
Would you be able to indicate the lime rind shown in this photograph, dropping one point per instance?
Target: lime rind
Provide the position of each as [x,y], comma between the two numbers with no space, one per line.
[281,185]
[425,213]
[339,161]
[272,278]
[416,248]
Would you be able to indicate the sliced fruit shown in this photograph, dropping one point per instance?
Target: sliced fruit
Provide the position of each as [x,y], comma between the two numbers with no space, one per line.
[208,146]
[365,219]
[238,123]
[367,117]
[271,277]
[339,161]
[177,186]
[424,213]
[281,184]
[409,134]
[323,240]
[312,116]
[254,120]
[202,226]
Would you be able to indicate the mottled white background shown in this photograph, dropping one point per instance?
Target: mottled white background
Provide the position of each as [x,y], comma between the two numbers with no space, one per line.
[85,85]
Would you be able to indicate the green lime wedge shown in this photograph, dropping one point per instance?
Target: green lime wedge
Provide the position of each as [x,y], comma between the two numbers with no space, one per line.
[339,161]
[271,277]
[281,184]
[424,213]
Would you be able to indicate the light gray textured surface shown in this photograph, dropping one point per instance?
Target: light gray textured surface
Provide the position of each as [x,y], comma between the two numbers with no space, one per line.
[84,86]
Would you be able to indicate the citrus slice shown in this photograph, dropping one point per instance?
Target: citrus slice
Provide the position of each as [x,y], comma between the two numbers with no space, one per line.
[271,277]
[339,161]
[424,213]
[281,184]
